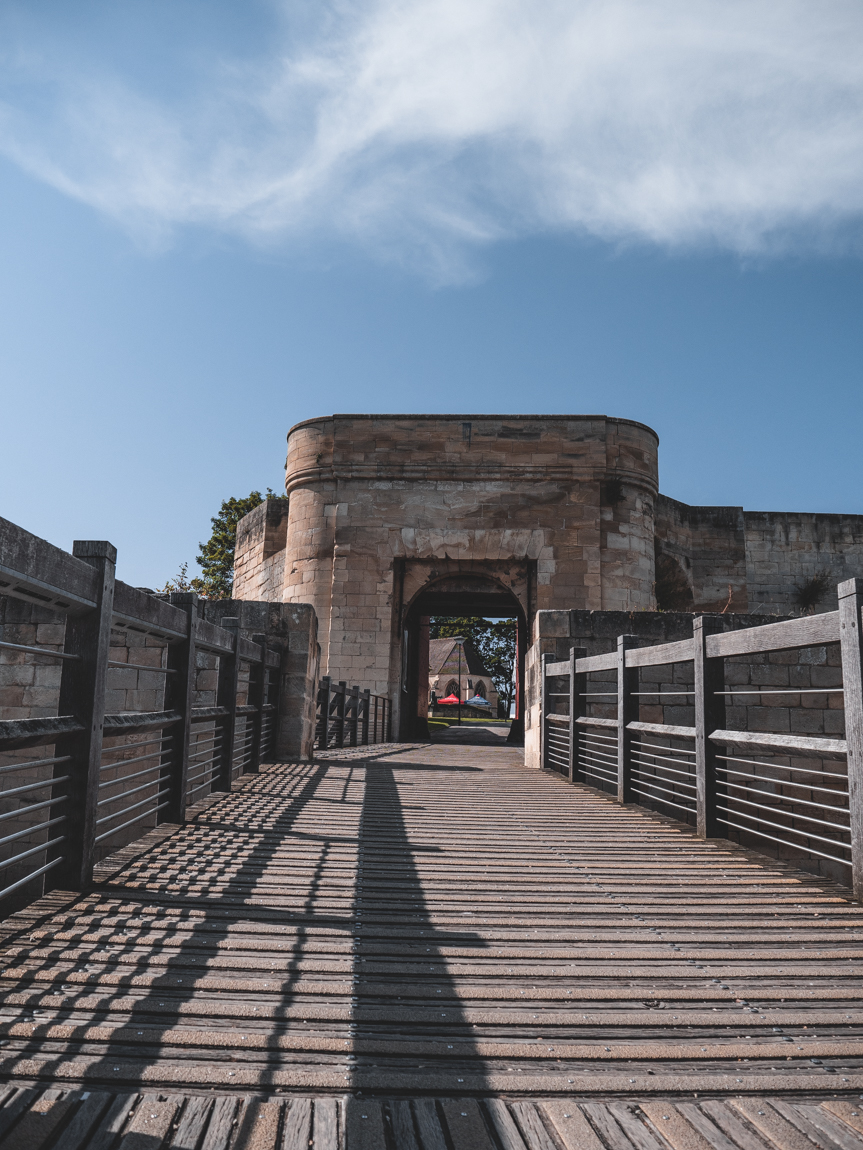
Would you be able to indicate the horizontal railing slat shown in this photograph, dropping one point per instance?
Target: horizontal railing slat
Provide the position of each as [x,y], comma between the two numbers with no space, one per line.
[606,662]
[663,729]
[784,744]
[18,733]
[679,652]
[133,722]
[810,631]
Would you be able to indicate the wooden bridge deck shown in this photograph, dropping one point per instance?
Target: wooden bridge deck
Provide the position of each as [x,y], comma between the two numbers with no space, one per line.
[430,948]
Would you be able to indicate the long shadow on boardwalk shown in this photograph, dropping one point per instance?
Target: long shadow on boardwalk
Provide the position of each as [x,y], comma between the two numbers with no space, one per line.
[405,996]
[400,991]
[204,922]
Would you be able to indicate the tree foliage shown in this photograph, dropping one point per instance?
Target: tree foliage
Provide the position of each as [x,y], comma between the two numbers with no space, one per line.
[216,555]
[494,639]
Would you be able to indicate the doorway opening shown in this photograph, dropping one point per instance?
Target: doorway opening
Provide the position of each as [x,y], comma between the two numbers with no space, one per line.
[445,600]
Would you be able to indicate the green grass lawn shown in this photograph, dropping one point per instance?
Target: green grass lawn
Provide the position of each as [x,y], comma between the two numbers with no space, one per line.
[437,724]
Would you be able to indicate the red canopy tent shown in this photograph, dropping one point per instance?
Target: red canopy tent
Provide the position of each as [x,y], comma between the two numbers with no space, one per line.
[449,700]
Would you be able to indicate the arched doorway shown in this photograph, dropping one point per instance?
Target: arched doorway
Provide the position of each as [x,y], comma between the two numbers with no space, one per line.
[454,595]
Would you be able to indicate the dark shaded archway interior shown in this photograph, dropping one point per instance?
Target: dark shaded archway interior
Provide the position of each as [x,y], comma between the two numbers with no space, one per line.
[472,595]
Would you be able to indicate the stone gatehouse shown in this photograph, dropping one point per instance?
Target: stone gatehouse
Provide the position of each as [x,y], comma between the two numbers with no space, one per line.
[392,518]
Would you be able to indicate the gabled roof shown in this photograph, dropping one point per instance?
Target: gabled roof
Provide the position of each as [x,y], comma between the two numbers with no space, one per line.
[443,658]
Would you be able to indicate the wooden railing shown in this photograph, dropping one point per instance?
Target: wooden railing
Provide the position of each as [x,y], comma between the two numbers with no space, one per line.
[100,780]
[799,792]
[350,717]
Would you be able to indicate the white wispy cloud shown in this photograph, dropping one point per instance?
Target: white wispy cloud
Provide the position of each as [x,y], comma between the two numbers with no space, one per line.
[425,128]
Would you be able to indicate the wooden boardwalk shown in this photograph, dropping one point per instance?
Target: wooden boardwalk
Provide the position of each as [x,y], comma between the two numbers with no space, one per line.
[431,948]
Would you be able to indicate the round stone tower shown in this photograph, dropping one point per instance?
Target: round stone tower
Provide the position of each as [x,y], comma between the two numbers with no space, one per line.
[390,514]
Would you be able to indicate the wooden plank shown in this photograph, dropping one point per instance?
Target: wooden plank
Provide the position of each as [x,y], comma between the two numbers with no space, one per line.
[851,632]
[119,1112]
[667,729]
[219,1127]
[37,1126]
[15,1108]
[784,744]
[680,652]
[76,1136]
[731,1124]
[19,733]
[705,1127]
[465,1125]
[584,721]
[364,1125]
[503,1124]
[37,572]
[248,651]
[150,1123]
[810,631]
[298,1125]
[258,1126]
[777,1130]
[673,1127]
[638,1134]
[326,1124]
[851,1113]
[532,1127]
[606,662]
[404,1135]
[573,1128]
[560,668]
[830,1130]
[192,1123]
[606,1126]
[428,1124]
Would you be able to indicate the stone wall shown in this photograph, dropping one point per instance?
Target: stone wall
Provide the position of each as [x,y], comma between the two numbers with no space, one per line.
[259,563]
[784,549]
[754,560]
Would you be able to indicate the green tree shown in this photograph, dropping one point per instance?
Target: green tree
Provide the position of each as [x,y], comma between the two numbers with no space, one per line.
[216,556]
[494,639]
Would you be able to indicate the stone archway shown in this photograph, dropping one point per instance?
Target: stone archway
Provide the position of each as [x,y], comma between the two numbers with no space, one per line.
[467,590]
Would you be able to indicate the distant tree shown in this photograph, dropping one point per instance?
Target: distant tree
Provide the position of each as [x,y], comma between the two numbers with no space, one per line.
[216,556]
[494,640]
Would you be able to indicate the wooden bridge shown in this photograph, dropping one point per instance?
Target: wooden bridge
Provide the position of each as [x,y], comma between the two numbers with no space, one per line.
[421,948]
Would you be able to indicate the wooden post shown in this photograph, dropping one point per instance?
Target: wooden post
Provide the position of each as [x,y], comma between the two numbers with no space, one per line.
[180,696]
[709,679]
[365,699]
[352,705]
[82,693]
[543,710]
[257,696]
[341,701]
[577,707]
[324,720]
[850,599]
[627,712]
[226,696]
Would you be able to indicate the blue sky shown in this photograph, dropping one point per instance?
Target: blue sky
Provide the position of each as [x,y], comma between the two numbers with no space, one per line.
[217,220]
